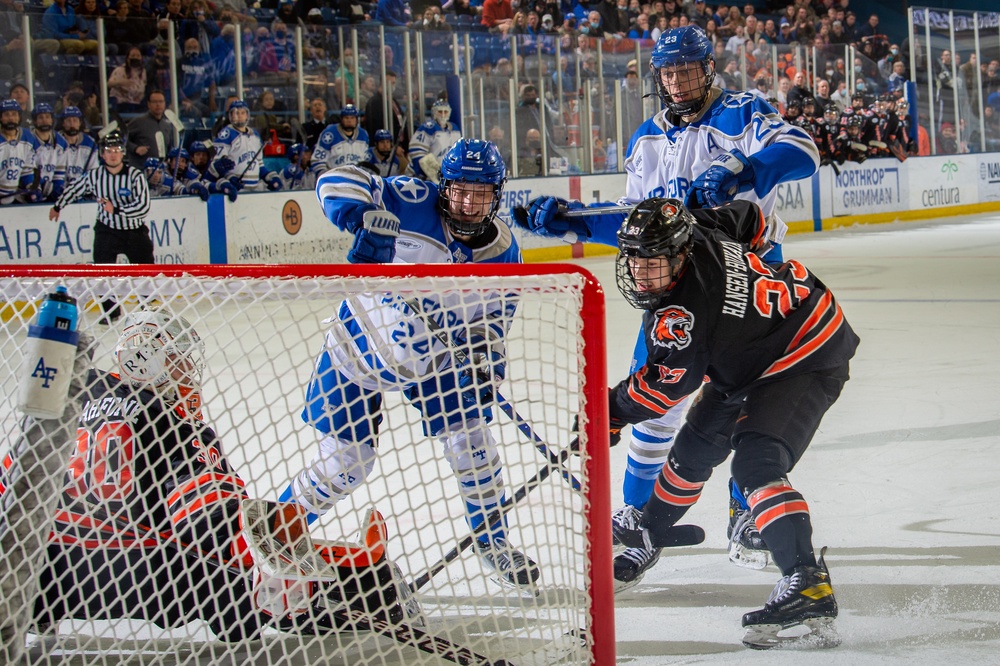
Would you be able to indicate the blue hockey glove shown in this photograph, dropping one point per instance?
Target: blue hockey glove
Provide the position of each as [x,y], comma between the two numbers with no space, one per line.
[197,188]
[33,196]
[482,371]
[222,166]
[273,182]
[545,216]
[727,176]
[375,241]
[226,187]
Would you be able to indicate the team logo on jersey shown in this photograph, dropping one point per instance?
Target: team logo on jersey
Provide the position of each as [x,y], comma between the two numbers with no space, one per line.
[224,133]
[736,100]
[411,190]
[673,327]
[124,192]
[327,138]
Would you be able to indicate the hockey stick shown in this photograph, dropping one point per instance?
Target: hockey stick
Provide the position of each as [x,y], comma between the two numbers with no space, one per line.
[508,409]
[179,128]
[491,520]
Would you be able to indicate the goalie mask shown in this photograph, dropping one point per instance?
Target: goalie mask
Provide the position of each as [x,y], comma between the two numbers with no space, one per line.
[472,178]
[441,111]
[161,352]
[654,244]
[683,66]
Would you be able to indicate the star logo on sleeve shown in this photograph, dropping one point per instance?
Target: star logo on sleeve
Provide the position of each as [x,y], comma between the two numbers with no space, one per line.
[411,190]
[737,100]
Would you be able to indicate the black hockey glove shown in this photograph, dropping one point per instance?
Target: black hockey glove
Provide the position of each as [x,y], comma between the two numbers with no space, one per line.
[614,434]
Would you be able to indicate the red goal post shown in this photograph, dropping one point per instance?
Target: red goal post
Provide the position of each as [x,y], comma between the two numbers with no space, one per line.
[262,327]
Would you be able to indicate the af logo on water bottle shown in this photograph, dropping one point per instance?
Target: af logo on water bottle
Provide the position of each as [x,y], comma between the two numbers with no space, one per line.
[48,362]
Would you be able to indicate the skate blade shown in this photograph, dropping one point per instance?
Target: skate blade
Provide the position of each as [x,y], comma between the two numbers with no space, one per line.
[813,634]
[622,585]
[747,558]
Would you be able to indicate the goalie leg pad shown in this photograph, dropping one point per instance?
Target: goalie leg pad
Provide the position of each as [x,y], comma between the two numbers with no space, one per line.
[303,582]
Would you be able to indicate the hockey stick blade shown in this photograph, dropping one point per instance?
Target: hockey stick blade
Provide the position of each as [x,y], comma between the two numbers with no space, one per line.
[676,536]
[407,634]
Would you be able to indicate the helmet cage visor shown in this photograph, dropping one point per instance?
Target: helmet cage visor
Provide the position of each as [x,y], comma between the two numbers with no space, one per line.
[683,87]
[468,207]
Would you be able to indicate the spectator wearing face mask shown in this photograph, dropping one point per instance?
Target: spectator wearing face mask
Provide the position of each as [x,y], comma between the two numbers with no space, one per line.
[127,83]
[196,77]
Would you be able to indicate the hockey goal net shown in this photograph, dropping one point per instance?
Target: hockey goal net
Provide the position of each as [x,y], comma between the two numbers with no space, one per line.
[263,328]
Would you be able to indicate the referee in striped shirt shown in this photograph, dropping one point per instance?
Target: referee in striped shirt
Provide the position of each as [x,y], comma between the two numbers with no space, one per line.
[123,202]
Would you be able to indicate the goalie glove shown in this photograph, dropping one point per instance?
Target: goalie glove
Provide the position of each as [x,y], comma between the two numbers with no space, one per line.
[727,176]
[430,166]
[375,241]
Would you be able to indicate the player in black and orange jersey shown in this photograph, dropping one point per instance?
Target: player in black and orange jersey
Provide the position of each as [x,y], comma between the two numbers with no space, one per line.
[149,522]
[772,346]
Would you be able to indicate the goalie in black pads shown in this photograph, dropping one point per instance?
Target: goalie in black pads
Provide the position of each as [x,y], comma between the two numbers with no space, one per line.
[149,526]
[774,346]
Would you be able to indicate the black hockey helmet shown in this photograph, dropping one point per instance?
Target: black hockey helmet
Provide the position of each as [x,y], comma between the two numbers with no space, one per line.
[113,139]
[658,228]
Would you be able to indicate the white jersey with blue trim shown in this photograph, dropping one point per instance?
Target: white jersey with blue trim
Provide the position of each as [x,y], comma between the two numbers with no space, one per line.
[434,139]
[386,167]
[377,338]
[243,148]
[50,160]
[17,163]
[335,149]
[663,158]
[294,178]
[79,158]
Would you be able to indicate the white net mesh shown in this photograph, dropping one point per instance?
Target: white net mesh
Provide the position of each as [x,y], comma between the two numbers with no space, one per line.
[145,556]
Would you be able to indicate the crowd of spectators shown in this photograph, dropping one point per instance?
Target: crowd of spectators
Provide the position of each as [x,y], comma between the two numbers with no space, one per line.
[140,70]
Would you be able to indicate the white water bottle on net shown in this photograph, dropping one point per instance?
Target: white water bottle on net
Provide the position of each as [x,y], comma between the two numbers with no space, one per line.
[298,465]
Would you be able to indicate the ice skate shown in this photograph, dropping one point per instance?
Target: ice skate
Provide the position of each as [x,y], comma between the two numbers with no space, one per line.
[746,547]
[511,567]
[626,518]
[799,613]
[631,565]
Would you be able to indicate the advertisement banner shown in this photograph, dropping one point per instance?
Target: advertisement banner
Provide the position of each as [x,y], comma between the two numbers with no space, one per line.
[877,186]
[177,225]
[282,228]
[988,177]
[945,180]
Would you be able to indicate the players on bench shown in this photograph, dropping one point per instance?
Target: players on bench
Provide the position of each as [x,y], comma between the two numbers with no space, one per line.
[772,342]
[237,164]
[163,543]
[376,343]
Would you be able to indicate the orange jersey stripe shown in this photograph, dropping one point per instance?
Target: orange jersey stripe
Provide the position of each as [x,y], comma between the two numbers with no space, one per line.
[210,498]
[204,479]
[807,349]
[817,314]
[784,509]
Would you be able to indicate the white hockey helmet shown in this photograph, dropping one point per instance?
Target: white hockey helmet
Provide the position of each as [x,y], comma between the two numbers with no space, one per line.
[441,112]
[160,351]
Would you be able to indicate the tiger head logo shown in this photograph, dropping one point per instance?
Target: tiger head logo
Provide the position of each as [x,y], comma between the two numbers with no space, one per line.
[673,327]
